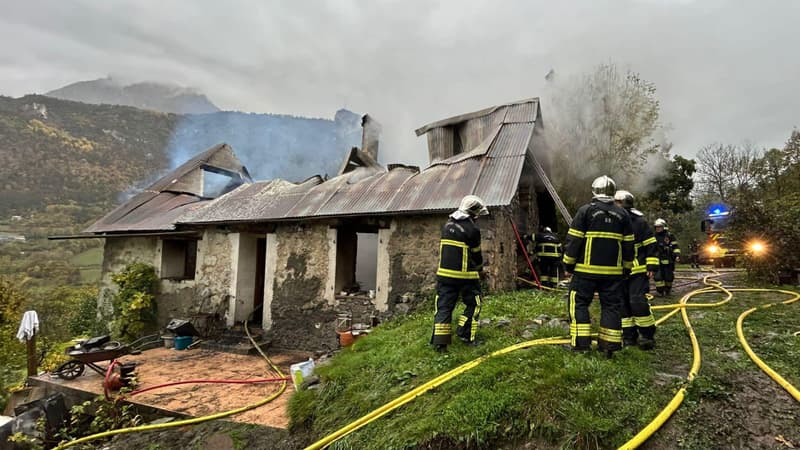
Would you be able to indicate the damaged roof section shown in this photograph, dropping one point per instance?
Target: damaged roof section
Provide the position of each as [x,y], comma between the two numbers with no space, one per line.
[479,153]
[161,205]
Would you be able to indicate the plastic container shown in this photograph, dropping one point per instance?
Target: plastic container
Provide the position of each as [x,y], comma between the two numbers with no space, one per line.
[181,342]
[301,371]
[169,341]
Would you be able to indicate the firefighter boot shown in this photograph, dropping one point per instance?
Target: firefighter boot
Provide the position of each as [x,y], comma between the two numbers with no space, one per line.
[646,343]
[440,348]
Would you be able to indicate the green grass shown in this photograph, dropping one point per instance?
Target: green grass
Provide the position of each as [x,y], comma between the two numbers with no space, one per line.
[548,395]
[89,263]
[545,392]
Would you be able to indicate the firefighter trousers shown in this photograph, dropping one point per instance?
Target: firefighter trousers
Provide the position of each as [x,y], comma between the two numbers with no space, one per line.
[548,270]
[664,277]
[637,319]
[581,292]
[448,292]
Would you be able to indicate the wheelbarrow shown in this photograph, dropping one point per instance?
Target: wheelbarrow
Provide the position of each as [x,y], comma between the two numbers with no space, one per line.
[92,352]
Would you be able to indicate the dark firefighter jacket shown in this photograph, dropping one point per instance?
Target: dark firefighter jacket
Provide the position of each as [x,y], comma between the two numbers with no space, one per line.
[600,241]
[667,247]
[644,244]
[547,245]
[460,254]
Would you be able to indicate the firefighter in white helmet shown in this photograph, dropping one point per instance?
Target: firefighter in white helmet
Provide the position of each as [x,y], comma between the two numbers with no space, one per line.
[668,253]
[599,251]
[638,323]
[460,264]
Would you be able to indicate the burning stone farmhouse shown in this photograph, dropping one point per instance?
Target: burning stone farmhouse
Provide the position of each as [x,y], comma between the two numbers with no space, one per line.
[291,257]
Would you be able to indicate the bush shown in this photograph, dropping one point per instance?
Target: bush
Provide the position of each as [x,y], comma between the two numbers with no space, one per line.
[134,304]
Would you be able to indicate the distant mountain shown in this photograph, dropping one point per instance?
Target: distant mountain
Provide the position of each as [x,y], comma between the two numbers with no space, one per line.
[58,152]
[146,95]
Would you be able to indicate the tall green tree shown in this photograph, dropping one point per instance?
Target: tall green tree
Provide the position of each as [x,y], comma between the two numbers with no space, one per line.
[671,191]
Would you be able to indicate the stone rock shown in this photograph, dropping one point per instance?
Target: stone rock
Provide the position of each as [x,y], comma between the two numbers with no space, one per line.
[484,322]
[503,323]
[527,334]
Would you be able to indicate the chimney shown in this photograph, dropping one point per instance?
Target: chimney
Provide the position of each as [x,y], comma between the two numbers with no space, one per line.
[370,136]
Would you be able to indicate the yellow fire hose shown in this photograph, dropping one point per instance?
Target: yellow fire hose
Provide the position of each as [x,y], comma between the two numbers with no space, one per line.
[414,393]
[681,307]
[191,421]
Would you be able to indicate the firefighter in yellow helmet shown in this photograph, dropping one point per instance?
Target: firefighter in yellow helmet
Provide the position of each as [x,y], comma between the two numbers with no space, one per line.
[638,323]
[460,264]
[599,251]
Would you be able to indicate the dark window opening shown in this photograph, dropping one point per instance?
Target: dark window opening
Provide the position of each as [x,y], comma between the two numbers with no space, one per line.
[356,261]
[178,259]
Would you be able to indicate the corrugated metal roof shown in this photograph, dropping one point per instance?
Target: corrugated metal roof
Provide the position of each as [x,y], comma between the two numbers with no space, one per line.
[159,213]
[159,207]
[491,170]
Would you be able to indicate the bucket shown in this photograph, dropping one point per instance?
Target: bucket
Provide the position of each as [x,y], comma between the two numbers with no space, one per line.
[169,341]
[181,342]
[345,338]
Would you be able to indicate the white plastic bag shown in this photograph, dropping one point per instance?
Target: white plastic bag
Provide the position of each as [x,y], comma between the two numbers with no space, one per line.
[301,371]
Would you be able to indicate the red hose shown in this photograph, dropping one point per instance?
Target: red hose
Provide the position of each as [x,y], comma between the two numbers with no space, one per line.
[525,252]
[107,380]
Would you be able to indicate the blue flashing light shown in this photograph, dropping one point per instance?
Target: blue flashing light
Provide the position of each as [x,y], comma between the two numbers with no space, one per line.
[718,210]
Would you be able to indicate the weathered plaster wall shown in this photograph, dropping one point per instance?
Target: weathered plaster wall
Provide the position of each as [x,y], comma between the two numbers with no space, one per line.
[301,315]
[213,275]
[413,250]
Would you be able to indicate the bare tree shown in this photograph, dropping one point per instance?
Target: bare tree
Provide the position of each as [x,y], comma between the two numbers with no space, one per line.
[729,169]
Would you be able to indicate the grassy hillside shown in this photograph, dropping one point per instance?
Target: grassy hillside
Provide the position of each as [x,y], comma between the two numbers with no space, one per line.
[548,397]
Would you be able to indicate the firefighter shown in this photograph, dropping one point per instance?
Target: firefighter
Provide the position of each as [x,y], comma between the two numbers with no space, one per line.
[460,265]
[638,323]
[668,254]
[599,251]
[694,249]
[548,253]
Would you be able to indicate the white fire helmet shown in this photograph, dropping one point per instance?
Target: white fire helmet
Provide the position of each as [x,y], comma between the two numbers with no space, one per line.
[660,223]
[473,205]
[624,198]
[603,188]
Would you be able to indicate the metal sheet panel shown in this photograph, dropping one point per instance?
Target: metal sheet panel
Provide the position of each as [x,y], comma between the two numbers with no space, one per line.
[512,141]
[499,180]
[522,112]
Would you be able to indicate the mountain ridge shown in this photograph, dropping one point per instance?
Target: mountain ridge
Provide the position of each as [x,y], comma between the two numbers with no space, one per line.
[150,95]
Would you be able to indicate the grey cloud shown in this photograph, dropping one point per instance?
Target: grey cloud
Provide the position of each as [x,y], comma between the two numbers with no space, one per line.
[725,71]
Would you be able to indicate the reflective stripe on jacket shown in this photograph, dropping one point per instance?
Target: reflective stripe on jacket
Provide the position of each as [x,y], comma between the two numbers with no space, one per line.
[600,241]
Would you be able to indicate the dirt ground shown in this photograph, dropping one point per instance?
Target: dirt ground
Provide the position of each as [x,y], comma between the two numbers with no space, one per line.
[164,365]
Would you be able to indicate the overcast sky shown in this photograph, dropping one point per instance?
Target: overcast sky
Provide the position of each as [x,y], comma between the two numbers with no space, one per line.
[725,71]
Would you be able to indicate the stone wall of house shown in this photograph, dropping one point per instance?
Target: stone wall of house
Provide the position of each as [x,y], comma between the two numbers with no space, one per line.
[213,275]
[208,293]
[413,249]
[302,316]
[499,251]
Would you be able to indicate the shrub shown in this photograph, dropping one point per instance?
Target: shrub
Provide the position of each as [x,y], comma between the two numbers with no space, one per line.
[134,304]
